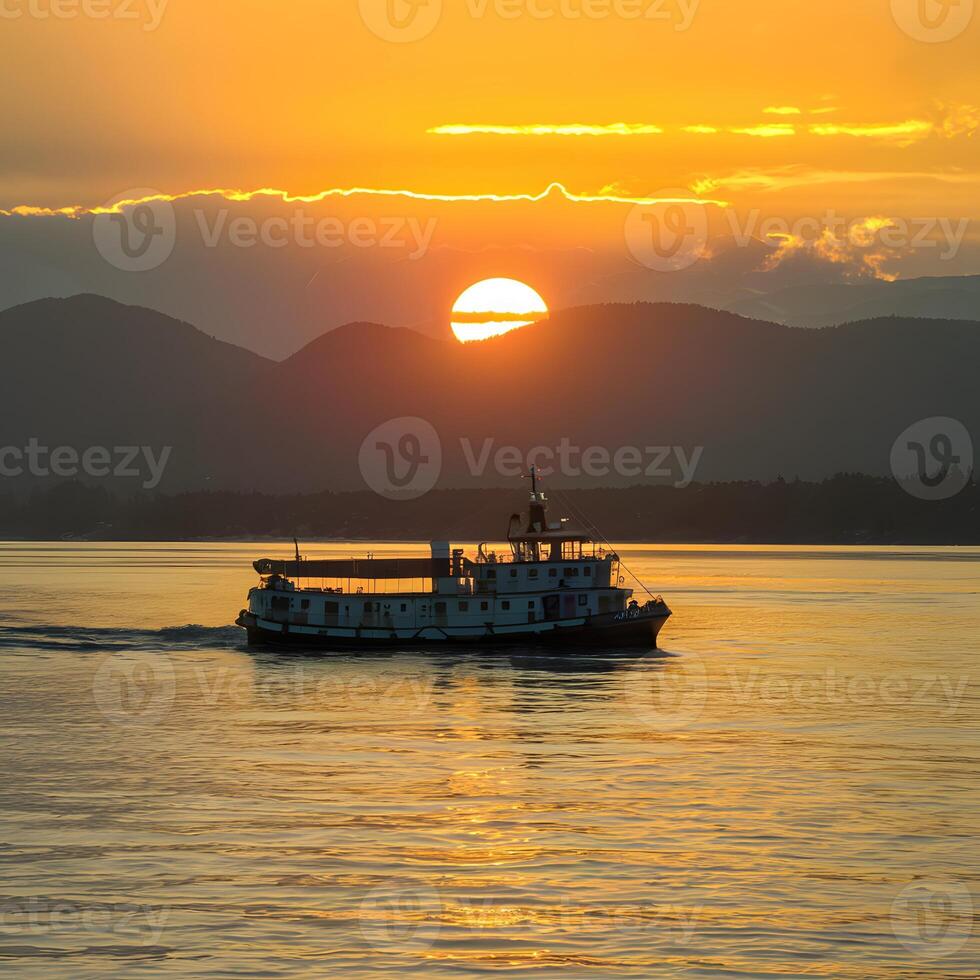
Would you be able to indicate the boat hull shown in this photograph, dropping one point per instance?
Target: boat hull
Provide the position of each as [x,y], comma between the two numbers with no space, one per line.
[638,631]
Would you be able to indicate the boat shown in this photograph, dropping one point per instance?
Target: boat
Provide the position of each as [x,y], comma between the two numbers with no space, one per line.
[554,585]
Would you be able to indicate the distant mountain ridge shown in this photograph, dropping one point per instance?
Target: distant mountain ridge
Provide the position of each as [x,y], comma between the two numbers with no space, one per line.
[757,398]
[829,304]
[276,300]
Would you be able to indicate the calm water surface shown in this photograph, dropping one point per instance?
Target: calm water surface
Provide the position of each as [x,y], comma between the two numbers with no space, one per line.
[790,789]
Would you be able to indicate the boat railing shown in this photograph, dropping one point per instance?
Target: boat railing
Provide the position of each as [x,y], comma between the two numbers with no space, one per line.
[508,558]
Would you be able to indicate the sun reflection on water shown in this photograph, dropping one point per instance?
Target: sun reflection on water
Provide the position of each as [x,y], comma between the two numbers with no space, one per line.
[754,800]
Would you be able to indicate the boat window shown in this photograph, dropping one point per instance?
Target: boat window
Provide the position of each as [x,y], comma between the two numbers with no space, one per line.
[552,572]
[484,606]
[505,604]
[305,604]
[533,573]
[492,573]
[588,571]
[530,604]
[464,605]
[571,572]
[583,600]
[513,573]
[404,607]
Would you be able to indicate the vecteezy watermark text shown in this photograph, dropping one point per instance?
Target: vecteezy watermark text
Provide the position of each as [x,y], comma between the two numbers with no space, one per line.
[148,12]
[120,462]
[673,694]
[38,915]
[679,13]
[404,21]
[943,233]
[307,231]
[140,690]
[656,462]
[673,234]
[402,459]
[412,914]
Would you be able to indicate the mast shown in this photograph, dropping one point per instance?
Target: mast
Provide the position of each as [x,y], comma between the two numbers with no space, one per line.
[537,517]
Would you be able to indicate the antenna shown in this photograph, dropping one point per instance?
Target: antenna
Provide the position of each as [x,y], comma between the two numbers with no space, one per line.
[534,480]
[296,543]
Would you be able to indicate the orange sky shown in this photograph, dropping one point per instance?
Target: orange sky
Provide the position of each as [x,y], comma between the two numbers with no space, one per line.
[303,95]
[778,108]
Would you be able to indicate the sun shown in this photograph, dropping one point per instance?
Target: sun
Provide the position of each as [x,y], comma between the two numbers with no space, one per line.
[494,306]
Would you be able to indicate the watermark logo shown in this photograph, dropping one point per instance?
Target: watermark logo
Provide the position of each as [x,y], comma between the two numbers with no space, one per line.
[933,918]
[402,458]
[401,21]
[666,694]
[933,458]
[138,236]
[134,689]
[933,21]
[669,235]
[404,918]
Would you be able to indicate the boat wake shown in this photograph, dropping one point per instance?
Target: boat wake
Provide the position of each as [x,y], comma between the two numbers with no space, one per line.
[80,638]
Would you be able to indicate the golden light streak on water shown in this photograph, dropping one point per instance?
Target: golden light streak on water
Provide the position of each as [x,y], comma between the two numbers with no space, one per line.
[789,790]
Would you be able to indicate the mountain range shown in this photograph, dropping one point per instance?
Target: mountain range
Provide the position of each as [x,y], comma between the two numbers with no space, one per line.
[276,300]
[745,398]
[826,304]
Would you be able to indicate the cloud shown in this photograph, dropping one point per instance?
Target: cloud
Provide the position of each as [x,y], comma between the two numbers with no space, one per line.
[786,178]
[556,189]
[960,120]
[549,129]
[954,121]
[766,130]
[858,250]
[907,131]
